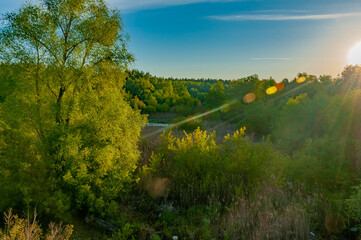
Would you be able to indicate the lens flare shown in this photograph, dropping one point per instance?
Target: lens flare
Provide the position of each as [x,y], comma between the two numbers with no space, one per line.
[301,79]
[271,90]
[280,86]
[226,109]
[191,119]
[249,97]
[157,187]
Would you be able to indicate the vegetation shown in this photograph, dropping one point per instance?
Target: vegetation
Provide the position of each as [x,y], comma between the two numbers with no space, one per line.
[71,115]
[18,228]
[69,137]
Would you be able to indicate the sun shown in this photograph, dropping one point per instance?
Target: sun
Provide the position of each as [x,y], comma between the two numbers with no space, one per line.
[354,56]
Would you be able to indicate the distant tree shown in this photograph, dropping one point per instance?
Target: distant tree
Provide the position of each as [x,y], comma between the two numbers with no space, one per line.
[351,77]
[285,81]
[68,137]
[216,96]
[325,79]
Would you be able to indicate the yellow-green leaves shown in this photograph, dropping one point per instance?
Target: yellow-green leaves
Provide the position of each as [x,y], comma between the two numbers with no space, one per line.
[69,127]
[199,170]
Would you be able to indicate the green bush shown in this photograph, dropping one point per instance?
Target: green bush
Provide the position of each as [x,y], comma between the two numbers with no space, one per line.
[192,223]
[354,207]
[200,171]
[321,165]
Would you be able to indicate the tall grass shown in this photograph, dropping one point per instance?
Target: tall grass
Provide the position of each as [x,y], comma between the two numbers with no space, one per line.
[270,214]
[29,229]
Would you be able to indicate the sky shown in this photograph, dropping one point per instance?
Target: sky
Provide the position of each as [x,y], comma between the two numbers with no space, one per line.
[231,39]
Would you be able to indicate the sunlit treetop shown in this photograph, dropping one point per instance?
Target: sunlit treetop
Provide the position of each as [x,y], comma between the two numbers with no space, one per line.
[62,69]
[69,33]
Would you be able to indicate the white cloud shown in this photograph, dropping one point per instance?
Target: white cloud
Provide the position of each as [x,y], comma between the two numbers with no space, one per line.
[144,4]
[278,17]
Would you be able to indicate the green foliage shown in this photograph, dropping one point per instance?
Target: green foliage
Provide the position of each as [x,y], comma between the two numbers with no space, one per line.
[322,165]
[353,205]
[259,118]
[70,135]
[250,164]
[295,123]
[161,95]
[189,165]
[193,223]
[351,78]
[216,96]
[200,171]
[126,233]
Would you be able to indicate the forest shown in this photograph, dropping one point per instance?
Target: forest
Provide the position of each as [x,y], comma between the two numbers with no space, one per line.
[247,158]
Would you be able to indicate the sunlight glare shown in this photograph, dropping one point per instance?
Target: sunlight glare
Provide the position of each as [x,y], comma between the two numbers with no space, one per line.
[354,57]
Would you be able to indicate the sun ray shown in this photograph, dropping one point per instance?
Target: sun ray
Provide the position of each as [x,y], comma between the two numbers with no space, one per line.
[170,126]
[191,119]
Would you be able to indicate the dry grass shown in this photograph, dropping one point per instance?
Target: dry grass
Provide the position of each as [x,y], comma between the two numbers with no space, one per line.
[271,214]
[28,229]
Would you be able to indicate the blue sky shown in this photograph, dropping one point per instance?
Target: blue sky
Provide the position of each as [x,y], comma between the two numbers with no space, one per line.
[230,39]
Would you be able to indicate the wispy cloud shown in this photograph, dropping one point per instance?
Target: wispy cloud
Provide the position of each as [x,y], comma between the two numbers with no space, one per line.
[144,4]
[282,17]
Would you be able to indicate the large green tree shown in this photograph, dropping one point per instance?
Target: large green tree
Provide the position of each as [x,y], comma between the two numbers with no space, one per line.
[67,135]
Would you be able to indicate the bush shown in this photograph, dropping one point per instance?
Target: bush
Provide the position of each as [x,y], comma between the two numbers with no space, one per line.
[250,164]
[321,165]
[200,171]
[193,223]
[354,207]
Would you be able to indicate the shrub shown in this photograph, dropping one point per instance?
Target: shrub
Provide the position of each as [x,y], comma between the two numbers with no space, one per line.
[19,228]
[192,223]
[250,164]
[353,205]
[200,170]
[190,163]
[322,165]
